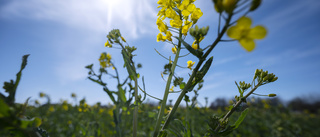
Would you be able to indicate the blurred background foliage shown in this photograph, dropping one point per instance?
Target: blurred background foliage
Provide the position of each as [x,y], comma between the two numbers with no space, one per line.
[266,117]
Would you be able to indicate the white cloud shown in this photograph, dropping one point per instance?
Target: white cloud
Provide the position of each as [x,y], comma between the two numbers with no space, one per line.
[95,18]
[132,17]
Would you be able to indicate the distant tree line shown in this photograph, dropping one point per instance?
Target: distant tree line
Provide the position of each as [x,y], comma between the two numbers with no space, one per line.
[297,104]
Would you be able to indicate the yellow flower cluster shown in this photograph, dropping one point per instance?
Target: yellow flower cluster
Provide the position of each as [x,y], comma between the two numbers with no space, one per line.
[181,13]
[84,107]
[105,60]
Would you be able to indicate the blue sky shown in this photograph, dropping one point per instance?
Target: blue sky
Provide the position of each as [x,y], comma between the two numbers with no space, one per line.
[63,36]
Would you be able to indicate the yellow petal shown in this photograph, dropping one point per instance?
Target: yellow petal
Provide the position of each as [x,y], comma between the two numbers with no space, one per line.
[247,44]
[185,13]
[234,32]
[258,32]
[191,7]
[244,22]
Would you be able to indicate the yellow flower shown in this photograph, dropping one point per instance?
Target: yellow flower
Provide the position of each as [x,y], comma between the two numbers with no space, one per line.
[243,32]
[160,37]
[174,50]
[190,64]
[186,7]
[108,56]
[196,14]
[100,111]
[65,106]
[161,26]
[170,13]
[105,60]
[186,27]
[51,108]
[194,45]
[171,89]
[107,44]
[168,36]
[176,22]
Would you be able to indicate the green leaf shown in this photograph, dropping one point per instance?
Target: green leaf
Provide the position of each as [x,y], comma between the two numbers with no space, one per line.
[226,131]
[163,134]
[197,53]
[89,66]
[177,81]
[206,67]
[122,94]
[110,94]
[127,60]
[34,122]
[97,81]
[240,119]
[203,71]
[4,109]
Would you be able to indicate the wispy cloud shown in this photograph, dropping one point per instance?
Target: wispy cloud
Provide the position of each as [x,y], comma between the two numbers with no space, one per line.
[289,14]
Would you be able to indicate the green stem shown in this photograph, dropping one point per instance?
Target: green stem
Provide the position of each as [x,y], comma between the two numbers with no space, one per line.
[166,93]
[135,113]
[189,83]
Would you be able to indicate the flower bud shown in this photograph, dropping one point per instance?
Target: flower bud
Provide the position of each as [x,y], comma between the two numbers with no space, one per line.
[274,79]
[255,4]
[271,76]
[256,73]
[73,95]
[266,78]
[204,30]
[42,94]
[263,74]
[218,5]
[229,5]
[272,95]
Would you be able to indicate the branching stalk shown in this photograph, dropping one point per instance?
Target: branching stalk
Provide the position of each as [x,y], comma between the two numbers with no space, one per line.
[189,83]
[237,105]
[166,93]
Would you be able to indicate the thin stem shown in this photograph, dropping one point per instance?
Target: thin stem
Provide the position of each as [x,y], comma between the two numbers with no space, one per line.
[230,40]
[166,93]
[148,94]
[219,23]
[184,55]
[189,83]
[161,54]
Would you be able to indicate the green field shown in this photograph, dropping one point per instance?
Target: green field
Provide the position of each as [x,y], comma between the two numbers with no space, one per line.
[265,118]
